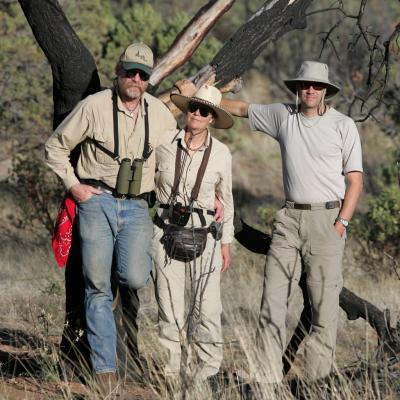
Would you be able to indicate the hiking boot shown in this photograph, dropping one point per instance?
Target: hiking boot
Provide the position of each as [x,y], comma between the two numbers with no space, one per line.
[109,386]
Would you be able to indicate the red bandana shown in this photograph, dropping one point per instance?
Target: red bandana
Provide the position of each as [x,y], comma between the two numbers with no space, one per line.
[62,235]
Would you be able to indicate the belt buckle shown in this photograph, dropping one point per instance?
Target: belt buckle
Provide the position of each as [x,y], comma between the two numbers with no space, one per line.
[330,205]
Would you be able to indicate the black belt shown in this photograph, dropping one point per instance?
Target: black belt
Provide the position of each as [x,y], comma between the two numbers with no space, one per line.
[197,210]
[108,189]
[158,221]
[329,205]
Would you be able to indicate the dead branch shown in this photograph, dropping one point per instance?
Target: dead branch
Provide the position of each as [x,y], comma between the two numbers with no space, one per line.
[269,23]
[378,65]
[189,39]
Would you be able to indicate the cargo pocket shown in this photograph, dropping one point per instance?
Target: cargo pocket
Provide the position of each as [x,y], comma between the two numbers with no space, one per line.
[281,229]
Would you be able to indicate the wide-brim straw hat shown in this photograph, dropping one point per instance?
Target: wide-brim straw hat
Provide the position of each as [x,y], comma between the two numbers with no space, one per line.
[209,96]
[313,71]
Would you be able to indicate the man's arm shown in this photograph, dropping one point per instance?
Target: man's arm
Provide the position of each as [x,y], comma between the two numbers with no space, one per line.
[238,108]
[354,187]
[72,131]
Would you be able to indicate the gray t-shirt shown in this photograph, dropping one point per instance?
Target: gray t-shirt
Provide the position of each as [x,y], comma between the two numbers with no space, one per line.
[316,152]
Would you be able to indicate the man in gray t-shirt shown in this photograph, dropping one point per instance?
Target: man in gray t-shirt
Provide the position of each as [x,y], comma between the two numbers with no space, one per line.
[322,175]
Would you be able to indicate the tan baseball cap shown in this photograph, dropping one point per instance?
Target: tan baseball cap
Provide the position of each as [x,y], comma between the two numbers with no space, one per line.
[137,56]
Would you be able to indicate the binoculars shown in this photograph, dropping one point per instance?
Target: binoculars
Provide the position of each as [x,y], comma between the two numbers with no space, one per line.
[129,177]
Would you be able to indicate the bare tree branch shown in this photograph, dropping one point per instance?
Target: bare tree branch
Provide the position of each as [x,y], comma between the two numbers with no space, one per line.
[270,22]
[189,39]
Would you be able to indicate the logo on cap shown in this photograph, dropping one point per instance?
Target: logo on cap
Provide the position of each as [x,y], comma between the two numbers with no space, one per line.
[142,56]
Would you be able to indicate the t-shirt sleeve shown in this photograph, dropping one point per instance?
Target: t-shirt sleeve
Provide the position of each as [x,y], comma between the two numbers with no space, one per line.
[351,151]
[267,118]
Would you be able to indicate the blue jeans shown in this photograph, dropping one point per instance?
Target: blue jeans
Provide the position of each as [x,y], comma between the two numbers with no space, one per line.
[107,227]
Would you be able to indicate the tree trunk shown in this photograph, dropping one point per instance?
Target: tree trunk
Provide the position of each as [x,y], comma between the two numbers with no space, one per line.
[74,70]
[189,39]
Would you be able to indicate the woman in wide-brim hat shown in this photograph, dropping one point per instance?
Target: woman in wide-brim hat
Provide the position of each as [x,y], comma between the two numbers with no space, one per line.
[181,172]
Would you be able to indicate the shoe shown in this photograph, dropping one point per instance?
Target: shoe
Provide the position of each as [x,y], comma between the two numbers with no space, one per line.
[109,385]
[215,383]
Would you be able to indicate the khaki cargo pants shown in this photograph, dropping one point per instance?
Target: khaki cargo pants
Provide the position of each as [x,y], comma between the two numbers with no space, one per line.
[308,235]
[198,286]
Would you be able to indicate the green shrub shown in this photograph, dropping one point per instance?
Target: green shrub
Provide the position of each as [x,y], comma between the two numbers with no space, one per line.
[38,190]
[378,230]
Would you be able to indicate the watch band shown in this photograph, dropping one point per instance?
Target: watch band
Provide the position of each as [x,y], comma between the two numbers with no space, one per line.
[343,221]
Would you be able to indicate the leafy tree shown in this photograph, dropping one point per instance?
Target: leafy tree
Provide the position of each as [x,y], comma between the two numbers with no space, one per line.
[378,229]
[38,192]
[92,20]
[142,22]
[25,103]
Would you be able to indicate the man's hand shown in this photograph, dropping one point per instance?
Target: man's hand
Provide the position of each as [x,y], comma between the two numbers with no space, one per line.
[226,256]
[340,229]
[219,210]
[186,87]
[82,192]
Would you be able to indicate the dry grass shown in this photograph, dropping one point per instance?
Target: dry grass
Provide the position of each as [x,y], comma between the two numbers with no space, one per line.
[31,305]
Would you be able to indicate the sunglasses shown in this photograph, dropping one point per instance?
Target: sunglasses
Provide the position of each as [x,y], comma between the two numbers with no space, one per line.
[204,110]
[315,85]
[131,73]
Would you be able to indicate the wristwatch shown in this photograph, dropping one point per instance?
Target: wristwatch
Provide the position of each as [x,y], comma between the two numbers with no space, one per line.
[344,222]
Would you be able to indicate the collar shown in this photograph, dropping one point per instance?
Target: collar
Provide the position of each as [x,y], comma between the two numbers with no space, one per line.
[181,136]
[122,108]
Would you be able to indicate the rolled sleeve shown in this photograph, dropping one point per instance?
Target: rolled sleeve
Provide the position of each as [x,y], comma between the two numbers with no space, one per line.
[224,192]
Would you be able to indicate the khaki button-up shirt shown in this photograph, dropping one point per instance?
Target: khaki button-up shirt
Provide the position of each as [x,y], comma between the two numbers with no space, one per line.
[217,178]
[92,118]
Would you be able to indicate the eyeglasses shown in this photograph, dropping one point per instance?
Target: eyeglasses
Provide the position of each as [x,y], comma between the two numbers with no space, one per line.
[204,110]
[131,73]
[315,85]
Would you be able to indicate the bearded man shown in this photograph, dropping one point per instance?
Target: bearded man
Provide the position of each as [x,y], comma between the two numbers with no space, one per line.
[113,125]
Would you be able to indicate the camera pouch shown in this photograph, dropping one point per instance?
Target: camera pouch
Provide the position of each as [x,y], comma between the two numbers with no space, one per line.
[178,214]
[184,244]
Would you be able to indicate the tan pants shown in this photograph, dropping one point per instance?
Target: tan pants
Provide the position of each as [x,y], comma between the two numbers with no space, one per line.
[308,235]
[203,283]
